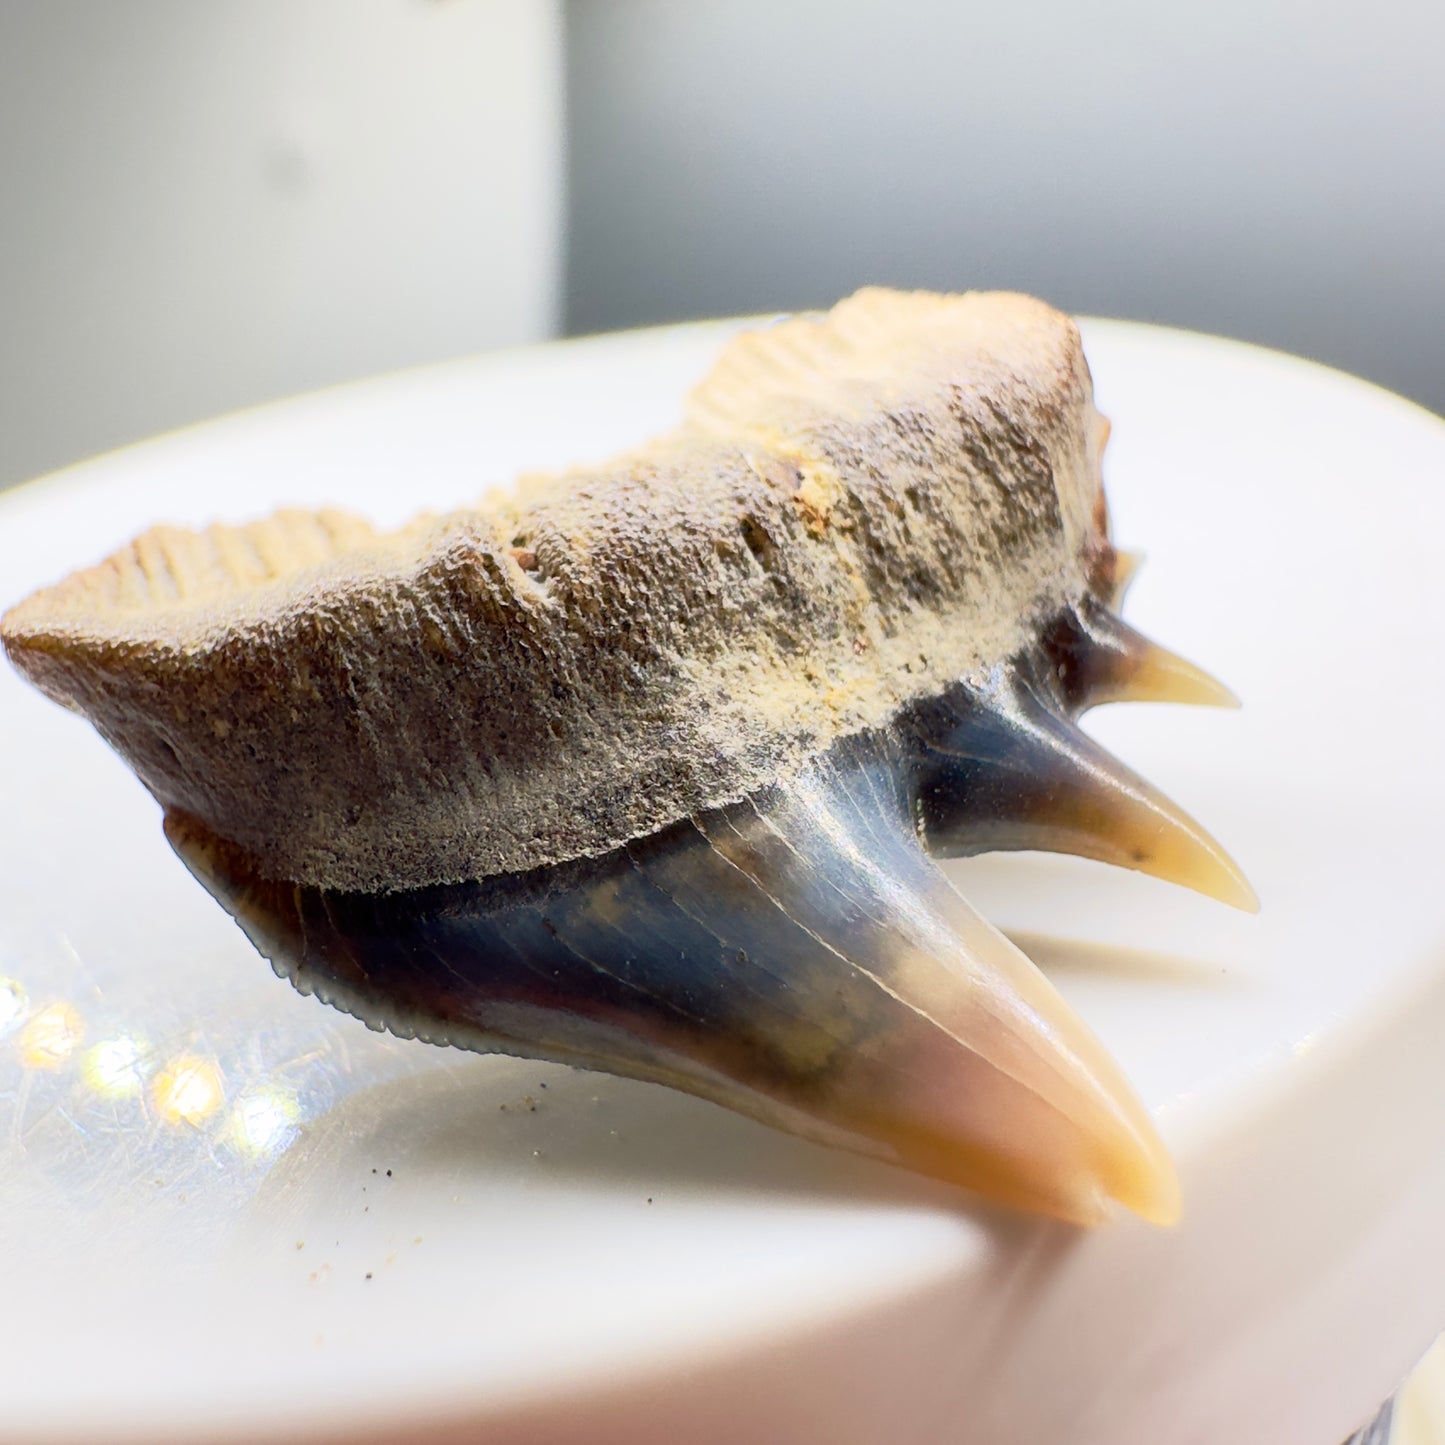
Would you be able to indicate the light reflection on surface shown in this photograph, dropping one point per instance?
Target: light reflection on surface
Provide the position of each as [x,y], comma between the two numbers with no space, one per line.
[51,1036]
[13,1006]
[142,1081]
[264,1121]
[115,1068]
[188,1090]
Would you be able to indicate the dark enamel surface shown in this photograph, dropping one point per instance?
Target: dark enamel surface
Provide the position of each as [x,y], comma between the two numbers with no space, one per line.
[657,953]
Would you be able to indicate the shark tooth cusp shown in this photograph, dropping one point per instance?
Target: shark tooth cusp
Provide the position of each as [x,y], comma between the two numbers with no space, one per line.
[640,767]
[1099,658]
[1002,765]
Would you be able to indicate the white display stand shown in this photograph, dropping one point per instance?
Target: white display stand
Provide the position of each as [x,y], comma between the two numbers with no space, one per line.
[227,1213]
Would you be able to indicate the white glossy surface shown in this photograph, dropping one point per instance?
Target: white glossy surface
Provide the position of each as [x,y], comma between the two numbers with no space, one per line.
[566,1257]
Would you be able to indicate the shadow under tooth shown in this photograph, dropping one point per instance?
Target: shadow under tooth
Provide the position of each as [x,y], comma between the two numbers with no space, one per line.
[1000,770]
[1098,658]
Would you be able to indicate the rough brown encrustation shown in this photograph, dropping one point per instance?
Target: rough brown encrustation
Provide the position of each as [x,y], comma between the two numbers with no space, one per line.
[858,508]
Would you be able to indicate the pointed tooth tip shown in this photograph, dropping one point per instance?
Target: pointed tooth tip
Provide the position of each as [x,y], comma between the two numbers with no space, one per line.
[1138,1171]
[1149,1190]
[1063,792]
[1245,898]
[1133,1171]
[1142,828]
[1155,1195]
[1126,569]
[1180,851]
[1206,868]
[1164,676]
[1123,665]
[1134,1168]
[1075,1135]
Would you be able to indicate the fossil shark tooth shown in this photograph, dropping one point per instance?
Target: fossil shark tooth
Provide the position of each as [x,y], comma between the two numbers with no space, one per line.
[639,769]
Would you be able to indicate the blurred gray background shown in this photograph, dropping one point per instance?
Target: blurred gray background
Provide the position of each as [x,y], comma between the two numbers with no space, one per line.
[1270,171]
[205,207]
